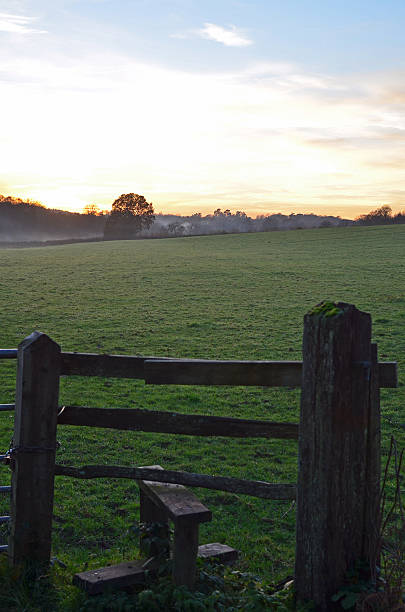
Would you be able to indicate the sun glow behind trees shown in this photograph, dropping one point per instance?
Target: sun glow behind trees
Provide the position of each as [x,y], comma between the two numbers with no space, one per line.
[235,126]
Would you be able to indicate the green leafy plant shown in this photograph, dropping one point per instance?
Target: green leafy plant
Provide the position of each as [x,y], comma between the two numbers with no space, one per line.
[357,583]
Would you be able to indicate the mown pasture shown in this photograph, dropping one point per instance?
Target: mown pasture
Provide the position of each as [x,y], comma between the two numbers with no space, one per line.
[219,297]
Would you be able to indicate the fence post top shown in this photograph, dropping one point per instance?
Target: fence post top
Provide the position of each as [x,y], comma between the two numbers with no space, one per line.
[36,339]
[328,309]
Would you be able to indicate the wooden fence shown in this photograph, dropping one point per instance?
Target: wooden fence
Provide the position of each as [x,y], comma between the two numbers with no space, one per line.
[338,438]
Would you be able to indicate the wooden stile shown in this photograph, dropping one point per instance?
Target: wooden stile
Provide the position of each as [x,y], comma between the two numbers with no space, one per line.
[33,453]
[187,512]
[338,515]
[333,451]
[179,504]
[175,423]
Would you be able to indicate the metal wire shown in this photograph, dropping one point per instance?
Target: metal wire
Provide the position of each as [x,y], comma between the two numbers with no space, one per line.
[8,353]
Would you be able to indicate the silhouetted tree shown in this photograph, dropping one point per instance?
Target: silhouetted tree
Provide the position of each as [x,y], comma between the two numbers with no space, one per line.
[130,213]
[380,216]
[92,209]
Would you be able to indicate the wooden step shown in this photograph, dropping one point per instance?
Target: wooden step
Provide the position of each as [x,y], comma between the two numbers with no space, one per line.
[220,552]
[130,573]
[180,504]
[112,577]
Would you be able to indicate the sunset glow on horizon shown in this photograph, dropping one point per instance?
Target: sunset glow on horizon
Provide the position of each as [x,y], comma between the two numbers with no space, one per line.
[197,106]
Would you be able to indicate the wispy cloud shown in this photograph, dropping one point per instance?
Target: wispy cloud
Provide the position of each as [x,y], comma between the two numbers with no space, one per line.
[18,24]
[230,37]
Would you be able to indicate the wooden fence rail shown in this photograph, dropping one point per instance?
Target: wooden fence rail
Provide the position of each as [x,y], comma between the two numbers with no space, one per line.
[171,422]
[255,488]
[170,371]
[173,371]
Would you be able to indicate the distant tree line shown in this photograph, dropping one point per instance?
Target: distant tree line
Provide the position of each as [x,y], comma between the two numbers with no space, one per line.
[131,216]
[226,222]
[28,221]
[381,216]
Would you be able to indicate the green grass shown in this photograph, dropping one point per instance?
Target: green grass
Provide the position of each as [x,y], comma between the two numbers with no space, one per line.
[223,297]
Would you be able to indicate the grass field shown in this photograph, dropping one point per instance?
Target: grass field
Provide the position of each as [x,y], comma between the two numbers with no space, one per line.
[224,297]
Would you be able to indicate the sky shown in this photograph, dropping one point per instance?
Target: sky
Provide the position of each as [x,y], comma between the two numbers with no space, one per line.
[256,105]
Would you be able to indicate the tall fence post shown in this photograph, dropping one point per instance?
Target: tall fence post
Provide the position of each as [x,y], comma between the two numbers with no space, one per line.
[33,450]
[338,481]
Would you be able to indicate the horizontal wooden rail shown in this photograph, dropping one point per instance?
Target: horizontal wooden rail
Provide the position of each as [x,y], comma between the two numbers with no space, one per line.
[156,370]
[258,373]
[255,488]
[172,422]
[194,372]
[92,364]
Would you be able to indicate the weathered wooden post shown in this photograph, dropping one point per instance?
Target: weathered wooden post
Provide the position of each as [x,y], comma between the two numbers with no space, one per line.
[33,450]
[339,451]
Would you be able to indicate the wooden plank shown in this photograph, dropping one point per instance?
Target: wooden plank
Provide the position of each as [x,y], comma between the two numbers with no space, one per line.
[33,455]
[112,577]
[244,373]
[255,488]
[200,372]
[387,374]
[185,548]
[179,504]
[123,366]
[218,552]
[91,364]
[130,573]
[332,450]
[175,423]
[261,373]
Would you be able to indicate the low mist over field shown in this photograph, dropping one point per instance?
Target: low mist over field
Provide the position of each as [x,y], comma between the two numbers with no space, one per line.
[27,221]
[31,222]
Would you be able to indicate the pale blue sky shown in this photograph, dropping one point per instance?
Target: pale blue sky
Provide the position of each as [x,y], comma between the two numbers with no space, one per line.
[259,105]
[327,35]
